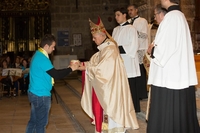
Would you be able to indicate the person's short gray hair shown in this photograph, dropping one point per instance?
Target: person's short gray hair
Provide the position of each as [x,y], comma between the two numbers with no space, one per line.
[160,9]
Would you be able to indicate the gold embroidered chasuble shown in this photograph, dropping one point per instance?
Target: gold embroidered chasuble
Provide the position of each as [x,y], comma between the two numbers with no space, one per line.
[106,73]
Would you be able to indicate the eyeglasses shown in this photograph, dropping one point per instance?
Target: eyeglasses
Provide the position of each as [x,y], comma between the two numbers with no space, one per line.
[156,14]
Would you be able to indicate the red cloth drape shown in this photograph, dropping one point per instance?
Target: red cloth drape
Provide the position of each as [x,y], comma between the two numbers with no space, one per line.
[96,107]
[97,111]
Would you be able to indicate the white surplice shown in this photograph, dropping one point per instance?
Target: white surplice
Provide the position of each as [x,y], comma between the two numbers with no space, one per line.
[126,36]
[173,65]
[141,25]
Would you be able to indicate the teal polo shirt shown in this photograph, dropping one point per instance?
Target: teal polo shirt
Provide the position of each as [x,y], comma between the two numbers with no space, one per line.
[40,81]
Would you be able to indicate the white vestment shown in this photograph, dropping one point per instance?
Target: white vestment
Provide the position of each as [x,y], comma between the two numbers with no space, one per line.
[173,66]
[141,25]
[126,36]
[107,76]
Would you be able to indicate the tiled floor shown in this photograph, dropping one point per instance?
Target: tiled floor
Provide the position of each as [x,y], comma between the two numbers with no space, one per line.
[66,116]
[15,112]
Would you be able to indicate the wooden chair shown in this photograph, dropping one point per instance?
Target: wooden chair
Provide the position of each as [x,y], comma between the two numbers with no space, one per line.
[3,84]
[3,91]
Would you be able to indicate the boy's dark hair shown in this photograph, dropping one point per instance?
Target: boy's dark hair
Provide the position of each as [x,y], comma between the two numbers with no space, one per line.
[47,39]
[122,10]
[159,8]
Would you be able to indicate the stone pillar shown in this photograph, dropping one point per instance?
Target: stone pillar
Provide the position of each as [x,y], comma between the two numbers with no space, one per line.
[197,17]
[197,25]
[197,35]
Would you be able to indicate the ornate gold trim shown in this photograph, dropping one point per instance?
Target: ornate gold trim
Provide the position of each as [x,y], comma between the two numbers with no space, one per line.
[24,5]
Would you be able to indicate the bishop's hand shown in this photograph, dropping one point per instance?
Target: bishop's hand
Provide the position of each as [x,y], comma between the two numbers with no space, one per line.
[74,64]
[82,67]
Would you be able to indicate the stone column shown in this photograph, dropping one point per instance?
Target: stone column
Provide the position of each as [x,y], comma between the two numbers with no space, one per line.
[197,25]
[197,17]
[197,36]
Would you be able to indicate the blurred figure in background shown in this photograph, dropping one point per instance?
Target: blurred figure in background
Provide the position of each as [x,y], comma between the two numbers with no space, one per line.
[141,26]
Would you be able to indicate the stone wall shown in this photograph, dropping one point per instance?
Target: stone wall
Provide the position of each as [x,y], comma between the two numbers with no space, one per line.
[67,15]
[187,7]
[72,16]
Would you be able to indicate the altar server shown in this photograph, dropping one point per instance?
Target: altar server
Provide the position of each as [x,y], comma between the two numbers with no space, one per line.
[172,76]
